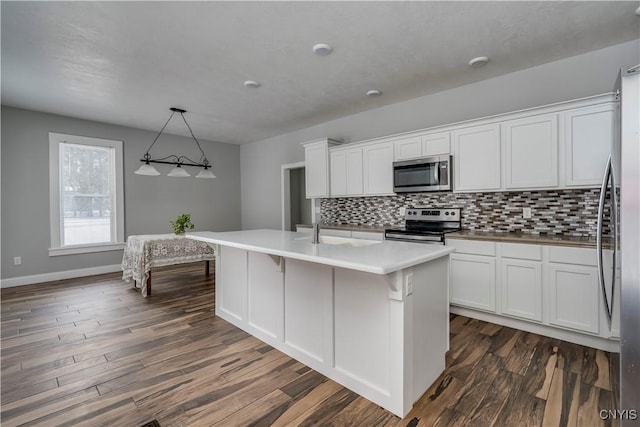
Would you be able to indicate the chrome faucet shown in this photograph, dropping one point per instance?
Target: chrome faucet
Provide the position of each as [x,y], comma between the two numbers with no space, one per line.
[316,233]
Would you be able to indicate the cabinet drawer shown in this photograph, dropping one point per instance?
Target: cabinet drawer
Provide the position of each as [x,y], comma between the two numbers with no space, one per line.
[581,256]
[472,247]
[370,235]
[521,251]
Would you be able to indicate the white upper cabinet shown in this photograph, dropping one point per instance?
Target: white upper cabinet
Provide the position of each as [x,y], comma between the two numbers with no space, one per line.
[354,172]
[436,144]
[378,168]
[589,134]
[338,160]
[408,148]
[346,172]
[476,152]
[316,158]
[562,145]
[422,146]
[531,152]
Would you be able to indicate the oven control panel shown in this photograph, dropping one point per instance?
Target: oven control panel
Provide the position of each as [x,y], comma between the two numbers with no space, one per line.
[432,214]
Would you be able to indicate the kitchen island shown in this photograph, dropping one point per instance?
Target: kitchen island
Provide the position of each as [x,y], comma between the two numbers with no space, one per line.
[371,315]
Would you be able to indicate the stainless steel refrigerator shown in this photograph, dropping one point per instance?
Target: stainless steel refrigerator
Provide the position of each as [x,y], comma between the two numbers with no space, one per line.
[621,187]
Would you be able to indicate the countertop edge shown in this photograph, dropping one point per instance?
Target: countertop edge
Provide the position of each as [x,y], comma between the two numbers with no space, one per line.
[575,242]
[328,261]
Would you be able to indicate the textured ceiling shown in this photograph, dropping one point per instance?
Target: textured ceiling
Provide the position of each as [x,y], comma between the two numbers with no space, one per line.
[126,63]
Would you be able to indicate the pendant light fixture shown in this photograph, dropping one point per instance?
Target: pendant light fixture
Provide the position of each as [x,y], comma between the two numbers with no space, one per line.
[178,161]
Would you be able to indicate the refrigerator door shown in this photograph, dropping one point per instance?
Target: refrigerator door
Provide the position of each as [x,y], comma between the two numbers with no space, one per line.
[630,245]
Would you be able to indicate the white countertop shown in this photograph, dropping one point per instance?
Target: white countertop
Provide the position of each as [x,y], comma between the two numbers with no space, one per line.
[381,258]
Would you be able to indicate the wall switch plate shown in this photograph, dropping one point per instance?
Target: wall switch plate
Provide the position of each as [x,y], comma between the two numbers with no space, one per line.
[17,260]
[403,211]
[526,213]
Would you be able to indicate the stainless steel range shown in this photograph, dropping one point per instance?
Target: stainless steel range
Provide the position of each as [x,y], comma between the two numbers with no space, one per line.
[426,225]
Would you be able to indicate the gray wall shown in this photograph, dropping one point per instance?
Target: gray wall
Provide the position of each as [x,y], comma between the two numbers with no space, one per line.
[150,202]
[579,76]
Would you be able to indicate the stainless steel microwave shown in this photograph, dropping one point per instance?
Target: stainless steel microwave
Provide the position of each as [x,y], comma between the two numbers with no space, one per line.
[423,174]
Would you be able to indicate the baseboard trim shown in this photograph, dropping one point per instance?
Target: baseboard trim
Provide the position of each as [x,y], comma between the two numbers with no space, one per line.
[58,275]
[610,345]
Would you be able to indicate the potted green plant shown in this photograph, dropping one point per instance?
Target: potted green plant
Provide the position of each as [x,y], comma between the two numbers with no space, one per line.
[182,224]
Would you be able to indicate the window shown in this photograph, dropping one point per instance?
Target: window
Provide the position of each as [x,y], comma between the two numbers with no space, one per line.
[86,194]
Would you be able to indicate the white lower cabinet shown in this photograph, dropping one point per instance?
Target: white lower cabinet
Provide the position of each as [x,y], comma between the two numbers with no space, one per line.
[473,281]
[573,297]
[521,288]
[545,289]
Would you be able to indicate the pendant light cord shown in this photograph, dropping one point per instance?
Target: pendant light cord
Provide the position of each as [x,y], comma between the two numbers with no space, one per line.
[162,130]
[204,158]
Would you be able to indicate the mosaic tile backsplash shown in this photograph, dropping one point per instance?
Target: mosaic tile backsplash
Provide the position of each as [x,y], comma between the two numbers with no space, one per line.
[565,212]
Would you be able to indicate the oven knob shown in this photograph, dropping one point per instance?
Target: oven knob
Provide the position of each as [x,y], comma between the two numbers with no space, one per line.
[446,213]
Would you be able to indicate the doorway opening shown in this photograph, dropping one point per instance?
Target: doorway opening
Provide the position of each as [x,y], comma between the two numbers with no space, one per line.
[296,208]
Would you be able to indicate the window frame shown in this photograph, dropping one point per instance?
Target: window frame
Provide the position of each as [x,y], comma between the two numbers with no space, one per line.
[55,215]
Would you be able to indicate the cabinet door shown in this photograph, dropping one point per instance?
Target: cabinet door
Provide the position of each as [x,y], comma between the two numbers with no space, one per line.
[407,148]
[436,144]
[338,162]
[473,281]
[354,172]
[316,158]
[265,298]
[589,134]
[477,158]
[531,152]
[231,286]
[378,169]
[522,289]
[573,297]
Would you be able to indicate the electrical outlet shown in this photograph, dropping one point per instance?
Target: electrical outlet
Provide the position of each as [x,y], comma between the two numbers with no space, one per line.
[403,211]
[526,213]
[17,260]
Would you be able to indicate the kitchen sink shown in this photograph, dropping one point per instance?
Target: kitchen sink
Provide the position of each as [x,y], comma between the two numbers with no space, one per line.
[341,241]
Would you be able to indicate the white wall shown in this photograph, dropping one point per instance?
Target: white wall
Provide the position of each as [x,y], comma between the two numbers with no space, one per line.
[579,76]
[150,202]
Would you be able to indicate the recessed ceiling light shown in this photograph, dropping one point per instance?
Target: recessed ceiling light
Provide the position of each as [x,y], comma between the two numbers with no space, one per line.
[478,62]
[252,84]
[322,49]
[374,93]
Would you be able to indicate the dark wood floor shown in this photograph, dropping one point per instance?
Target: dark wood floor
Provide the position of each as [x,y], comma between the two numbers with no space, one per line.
[92,351]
